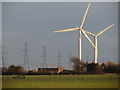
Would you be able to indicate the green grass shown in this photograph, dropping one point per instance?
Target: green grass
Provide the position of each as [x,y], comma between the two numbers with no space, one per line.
[62,81]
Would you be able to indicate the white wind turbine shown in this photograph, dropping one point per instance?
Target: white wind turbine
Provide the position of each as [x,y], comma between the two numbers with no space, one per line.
[79,29]
[95,41]
[83,31]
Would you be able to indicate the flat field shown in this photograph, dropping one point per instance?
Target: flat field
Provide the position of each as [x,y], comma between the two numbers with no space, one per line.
[61,81]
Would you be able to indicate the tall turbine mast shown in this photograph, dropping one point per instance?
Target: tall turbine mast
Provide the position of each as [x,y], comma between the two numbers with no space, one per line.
[95,50]
[79,44]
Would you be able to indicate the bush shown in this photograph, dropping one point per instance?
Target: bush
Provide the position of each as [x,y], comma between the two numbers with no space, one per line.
[13,69]
[94,68]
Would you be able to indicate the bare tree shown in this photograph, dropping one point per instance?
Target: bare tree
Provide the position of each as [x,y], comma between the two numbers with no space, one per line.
[78,65]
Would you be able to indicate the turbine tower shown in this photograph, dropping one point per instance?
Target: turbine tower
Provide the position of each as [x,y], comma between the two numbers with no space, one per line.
[79,31]
[95,42]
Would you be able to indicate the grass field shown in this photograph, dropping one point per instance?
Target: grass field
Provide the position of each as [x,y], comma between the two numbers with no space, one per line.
[62,81]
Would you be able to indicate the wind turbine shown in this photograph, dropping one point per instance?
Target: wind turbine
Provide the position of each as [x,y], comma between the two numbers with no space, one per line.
[95,41]
[79,31]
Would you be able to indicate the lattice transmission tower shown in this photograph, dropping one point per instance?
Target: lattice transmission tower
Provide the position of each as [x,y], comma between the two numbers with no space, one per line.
[26,62]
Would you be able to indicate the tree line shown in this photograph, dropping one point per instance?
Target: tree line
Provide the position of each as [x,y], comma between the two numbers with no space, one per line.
[78,68]
[94,68]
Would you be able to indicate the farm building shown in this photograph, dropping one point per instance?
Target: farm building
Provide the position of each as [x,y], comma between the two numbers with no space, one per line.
[50,70]
[33,71]
[110,67]
[107,64]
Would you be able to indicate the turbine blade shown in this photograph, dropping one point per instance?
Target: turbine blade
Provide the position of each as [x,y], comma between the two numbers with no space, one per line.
[76,26]
[88,38]
[105,29]
[89,33]
[85,15]
[72,29]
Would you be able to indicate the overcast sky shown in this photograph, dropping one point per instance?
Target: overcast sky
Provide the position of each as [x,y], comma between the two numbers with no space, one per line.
[34,22]
[59,0]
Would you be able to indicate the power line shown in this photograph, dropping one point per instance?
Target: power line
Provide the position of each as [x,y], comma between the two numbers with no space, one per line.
[59,59]
[44,57]
[26,63]
[87,57]
[70,56]
[3,63]
[3,57]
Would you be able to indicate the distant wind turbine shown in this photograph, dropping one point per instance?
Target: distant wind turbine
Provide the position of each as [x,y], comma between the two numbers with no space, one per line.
[95,41]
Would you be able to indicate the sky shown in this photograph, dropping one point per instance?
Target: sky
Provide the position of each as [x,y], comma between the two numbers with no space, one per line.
[34,23]
[60,0]
[0,24]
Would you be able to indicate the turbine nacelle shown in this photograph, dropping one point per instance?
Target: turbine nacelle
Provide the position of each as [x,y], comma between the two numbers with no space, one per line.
[79,28]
